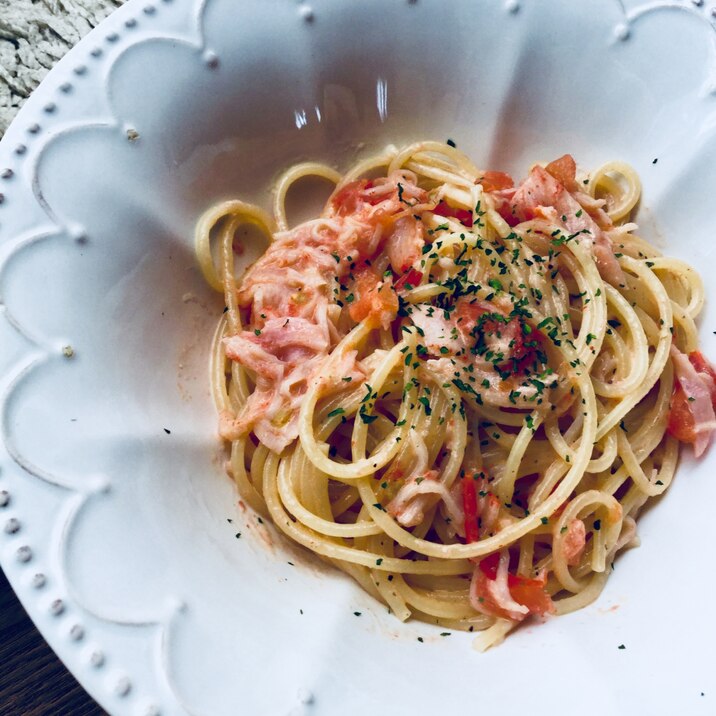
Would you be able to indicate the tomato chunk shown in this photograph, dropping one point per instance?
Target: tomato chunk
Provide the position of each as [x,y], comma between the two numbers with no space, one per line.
[495,181]
[462,215]
[564,170]
[375,299]
[470,509]
[411,278]
[529,593]
[681,424]
[681,421]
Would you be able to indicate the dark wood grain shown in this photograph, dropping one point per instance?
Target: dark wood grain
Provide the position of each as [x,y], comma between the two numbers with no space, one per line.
[33,681]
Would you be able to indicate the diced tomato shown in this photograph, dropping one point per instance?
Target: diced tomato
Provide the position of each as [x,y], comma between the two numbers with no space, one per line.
[375,299]
[531,594]
[564,170]
[681,420]
[412,278]
[470,509]
[528,592]
[489,564]
[495,181]
[505,207]
[681,424]
[462,215]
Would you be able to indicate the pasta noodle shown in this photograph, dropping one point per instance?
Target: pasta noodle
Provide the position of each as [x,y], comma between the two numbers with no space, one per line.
[458,391]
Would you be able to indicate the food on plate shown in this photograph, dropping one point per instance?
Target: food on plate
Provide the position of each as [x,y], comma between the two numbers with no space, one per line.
[459,389]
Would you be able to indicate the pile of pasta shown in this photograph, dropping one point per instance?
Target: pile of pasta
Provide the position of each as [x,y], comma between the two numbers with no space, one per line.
[458,390]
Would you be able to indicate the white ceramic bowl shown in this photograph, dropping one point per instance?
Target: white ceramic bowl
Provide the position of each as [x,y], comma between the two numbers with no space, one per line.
[119,526]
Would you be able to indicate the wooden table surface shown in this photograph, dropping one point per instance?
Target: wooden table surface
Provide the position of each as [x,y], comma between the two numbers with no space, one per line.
[33,681]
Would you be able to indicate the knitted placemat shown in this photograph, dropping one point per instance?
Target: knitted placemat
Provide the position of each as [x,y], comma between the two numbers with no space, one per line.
[34,34]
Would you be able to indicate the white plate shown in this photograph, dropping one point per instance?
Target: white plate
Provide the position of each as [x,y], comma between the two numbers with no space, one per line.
[118,537]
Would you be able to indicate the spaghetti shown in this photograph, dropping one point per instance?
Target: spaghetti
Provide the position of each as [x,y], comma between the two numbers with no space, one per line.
[459,391]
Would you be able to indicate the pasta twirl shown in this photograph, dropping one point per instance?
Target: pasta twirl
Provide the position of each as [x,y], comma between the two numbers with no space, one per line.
[459,391]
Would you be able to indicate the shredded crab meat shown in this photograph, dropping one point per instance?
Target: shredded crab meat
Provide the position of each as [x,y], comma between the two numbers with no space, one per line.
[541,194]
[439,332]
[421,490]
[405,243]
[416,497]
[486,593]
[483,283]
[289,295]
[574,542]
[699,388]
